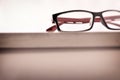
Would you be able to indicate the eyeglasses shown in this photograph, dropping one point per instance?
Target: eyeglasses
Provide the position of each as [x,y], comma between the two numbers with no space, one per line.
[82,20]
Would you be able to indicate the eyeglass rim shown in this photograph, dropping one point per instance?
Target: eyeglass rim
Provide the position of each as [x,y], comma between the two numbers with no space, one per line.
[93,14]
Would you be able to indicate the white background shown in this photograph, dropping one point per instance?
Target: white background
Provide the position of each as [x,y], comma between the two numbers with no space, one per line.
[36,15]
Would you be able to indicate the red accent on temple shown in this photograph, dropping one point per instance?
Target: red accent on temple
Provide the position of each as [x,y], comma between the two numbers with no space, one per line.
[53,28]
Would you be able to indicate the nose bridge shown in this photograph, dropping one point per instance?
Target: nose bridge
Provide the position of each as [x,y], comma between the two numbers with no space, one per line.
[97,17]
[97,14]
[100,18]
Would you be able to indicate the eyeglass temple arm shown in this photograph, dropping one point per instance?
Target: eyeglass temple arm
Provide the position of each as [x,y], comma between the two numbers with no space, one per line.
[113,23]
[82,20]
[65,20]
[54,27]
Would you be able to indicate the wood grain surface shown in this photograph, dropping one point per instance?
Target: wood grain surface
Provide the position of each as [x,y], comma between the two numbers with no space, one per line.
[60,64]
[46,40]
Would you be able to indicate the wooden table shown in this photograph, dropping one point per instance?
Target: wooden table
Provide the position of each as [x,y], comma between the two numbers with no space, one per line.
[60,56]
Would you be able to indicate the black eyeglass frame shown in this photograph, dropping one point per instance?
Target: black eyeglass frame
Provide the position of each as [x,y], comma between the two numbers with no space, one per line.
[94,14]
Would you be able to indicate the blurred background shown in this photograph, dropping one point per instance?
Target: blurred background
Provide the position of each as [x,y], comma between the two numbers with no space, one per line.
[36,15]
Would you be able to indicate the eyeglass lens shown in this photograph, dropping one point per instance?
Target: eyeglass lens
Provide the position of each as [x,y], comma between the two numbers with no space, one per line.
[75,21]
[79,21]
